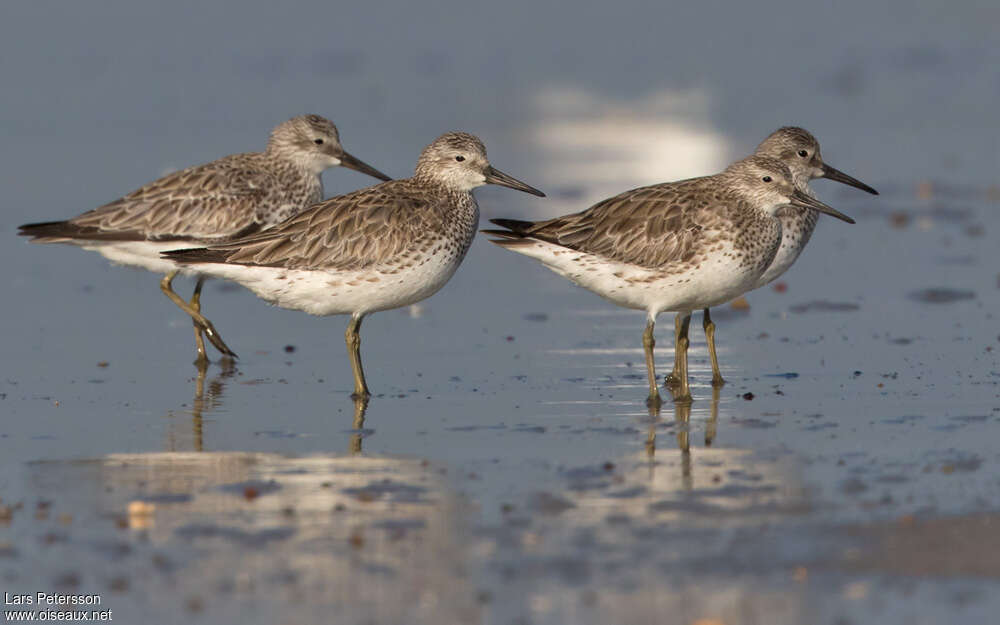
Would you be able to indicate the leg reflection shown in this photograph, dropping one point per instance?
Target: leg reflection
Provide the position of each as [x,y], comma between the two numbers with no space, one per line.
[654,420]
[198,404]
[360,407]
[682,419]
[207,397]
[682,423]
[713,419]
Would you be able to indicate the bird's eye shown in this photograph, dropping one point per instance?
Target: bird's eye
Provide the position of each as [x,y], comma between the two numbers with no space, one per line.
[766,179]
[459,158]
[803,153]
[318,141]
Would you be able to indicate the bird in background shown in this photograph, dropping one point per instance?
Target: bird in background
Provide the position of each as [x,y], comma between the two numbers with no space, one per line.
[676,246]
[799,150]
[228,198]
[383,247]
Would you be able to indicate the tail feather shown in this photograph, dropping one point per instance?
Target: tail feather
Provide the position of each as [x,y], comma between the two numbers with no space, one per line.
[516,235]
[52,231]
[62,231]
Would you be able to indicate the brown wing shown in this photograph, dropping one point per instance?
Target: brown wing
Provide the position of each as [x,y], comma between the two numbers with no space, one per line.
[348,232]
[650,226]
[211,201]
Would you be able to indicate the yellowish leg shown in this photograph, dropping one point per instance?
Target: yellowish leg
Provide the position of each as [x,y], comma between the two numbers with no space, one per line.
[353,339]
[674,377]
[648,342]
[196,316]
[706,323]
[199,338]
[681,391]
[360,406]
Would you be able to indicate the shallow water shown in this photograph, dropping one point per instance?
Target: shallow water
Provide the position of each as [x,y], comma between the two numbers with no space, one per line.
[507,469]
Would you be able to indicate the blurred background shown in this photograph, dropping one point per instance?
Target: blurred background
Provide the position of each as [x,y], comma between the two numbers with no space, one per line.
[101,98]
[874,373]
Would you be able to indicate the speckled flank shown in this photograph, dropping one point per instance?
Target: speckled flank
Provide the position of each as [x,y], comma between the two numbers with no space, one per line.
[673,246]
[676,246]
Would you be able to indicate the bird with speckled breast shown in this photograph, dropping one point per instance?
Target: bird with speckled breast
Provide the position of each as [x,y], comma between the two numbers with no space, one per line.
[799,150]
[676,246]
[233,196]
[375,249]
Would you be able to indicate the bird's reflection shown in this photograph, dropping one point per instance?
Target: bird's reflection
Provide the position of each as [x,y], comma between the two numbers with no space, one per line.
[682,418]
[314,530]
[208,396]
[713,418]
[682,421]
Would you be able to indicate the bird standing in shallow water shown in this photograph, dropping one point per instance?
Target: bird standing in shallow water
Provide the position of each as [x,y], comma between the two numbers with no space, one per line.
[676,246]
[799,150]
[217,201]
[383,247]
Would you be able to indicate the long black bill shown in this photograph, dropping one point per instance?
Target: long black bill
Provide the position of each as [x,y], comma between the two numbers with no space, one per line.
[495,176]
[802,200]
[835,174]
[350,162]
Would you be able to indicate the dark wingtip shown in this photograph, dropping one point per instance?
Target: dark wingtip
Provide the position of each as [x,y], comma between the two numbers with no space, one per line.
[517,226]
[45,229]
[61,231]
[194,255]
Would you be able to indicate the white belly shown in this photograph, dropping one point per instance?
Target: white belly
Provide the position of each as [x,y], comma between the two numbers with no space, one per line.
[143,254]
[716,280]
[324,292]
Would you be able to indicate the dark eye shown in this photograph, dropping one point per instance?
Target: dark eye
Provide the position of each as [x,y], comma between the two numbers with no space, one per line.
[766,179]
[459,158]
[803,153]
[318,141]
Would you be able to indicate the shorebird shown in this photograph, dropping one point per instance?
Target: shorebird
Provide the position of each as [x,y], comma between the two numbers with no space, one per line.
[676,246]
[799,150]
[379,248]
[230,197]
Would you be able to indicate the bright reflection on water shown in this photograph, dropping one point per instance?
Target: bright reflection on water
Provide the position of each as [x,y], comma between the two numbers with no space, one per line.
[596,146]
[295,537]
[374,538]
